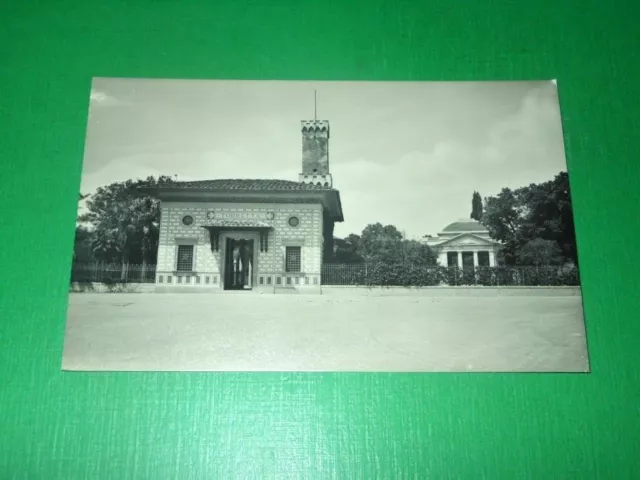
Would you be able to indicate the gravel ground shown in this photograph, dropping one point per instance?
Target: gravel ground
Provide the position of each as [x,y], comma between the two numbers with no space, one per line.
[247,332]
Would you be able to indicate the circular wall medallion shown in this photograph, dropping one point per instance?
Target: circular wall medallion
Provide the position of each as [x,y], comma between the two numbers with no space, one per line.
[294,221]
[187,220]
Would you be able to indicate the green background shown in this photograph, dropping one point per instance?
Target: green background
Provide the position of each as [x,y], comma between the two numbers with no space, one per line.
[56,425]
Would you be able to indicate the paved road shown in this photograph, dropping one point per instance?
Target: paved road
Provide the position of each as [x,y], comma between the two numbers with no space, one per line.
[245,332]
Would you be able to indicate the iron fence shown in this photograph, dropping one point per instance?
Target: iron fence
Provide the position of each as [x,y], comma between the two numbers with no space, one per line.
[112,273]
[365,275]
[419,275]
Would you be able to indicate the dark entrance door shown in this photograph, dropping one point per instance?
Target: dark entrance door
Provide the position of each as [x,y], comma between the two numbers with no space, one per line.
[238,264]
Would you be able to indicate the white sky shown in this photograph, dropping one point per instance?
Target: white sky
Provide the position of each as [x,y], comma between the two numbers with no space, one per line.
[403,153]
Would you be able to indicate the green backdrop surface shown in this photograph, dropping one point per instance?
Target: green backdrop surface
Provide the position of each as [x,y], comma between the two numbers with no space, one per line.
[56,425]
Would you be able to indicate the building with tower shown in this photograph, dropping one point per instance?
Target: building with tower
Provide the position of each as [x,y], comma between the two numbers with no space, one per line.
[259,235]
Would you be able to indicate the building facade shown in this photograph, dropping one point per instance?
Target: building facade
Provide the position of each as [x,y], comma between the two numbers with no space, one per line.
[250,235]
[465,243]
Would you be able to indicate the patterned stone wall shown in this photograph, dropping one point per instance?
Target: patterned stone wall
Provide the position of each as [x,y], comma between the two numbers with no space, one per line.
[208,264]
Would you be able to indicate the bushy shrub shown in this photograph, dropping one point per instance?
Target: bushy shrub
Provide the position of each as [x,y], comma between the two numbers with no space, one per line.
[389,275]
[412,275]
[570,277]
[485,276]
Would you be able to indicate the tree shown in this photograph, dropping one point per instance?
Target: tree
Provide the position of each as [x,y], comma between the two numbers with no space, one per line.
[418,253]
[537,211]
[539,252]
[503,218]
[380,243]
[125,224]
[385,244]
[82,252]
[346,249]
[550,214]
[476,206]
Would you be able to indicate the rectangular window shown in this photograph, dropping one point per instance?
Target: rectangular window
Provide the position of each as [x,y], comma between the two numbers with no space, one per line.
[293,259]
[452,259]
[483,259]
[185,258]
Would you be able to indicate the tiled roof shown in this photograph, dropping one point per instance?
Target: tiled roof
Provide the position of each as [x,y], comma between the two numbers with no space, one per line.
[248,185]
[465,225]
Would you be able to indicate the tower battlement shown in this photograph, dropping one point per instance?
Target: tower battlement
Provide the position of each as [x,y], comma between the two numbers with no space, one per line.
[315,125]
[315,153]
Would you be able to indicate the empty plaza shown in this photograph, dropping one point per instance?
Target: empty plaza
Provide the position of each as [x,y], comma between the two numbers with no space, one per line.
[345,331]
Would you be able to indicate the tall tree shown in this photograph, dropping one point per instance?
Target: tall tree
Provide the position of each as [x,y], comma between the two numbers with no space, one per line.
[476,206]
[537,211]
[125,224]
[550,214]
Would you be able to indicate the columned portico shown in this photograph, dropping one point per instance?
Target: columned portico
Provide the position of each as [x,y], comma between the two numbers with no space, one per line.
[465,244]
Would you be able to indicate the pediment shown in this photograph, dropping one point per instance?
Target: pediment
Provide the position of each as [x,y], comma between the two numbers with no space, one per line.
[469,239]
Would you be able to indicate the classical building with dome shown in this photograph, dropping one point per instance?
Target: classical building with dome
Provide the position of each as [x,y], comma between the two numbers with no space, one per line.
[250,234]
[465,243]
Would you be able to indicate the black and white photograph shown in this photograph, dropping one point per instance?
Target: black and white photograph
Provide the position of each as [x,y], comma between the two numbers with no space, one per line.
[327,226]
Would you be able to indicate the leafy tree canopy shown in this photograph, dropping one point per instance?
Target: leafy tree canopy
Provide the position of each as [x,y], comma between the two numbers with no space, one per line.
[125,223]
[385,244]
[540,252]
[537,211]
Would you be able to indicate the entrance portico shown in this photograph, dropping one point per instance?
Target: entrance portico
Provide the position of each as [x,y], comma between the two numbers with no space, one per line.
[465,244]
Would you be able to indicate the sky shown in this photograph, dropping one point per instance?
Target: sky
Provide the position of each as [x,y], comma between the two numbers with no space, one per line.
[409,154]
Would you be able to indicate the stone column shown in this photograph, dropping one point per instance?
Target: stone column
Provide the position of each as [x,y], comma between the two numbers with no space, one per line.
[459,259]
[492,258]
[475,258]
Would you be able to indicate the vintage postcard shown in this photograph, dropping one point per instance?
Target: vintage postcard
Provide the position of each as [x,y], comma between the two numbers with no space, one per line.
[324,226]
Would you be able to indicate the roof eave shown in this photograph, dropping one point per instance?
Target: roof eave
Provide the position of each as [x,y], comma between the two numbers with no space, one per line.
[169,194]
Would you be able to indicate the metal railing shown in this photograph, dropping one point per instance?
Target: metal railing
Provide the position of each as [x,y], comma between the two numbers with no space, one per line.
[112,273]
[418,275]
[366,275]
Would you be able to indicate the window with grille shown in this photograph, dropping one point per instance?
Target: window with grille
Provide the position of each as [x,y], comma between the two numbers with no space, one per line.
[483,259]
[452,259]
[293,259]
[185,258]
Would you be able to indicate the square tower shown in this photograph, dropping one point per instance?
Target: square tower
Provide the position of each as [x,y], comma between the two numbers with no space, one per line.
[315,153]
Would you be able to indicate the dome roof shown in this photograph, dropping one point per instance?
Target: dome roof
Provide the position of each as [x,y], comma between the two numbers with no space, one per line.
[465,225]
